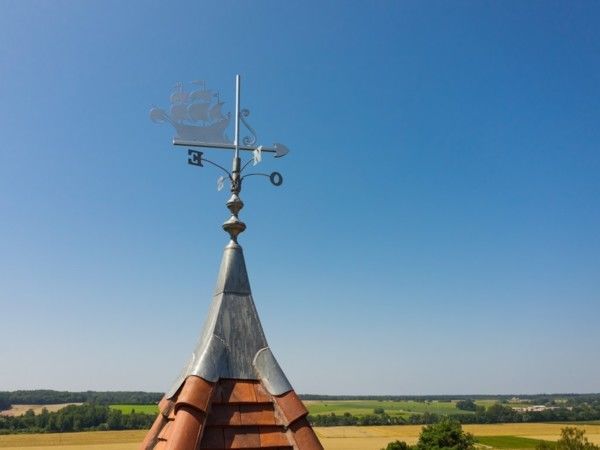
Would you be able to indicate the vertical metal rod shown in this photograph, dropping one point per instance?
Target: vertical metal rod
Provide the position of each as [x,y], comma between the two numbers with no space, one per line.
[236,182]
[236,141]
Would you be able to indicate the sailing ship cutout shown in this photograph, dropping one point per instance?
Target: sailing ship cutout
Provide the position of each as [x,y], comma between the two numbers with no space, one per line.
[196,115]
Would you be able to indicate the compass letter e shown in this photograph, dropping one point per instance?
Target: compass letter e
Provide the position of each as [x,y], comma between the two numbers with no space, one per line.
[195,158]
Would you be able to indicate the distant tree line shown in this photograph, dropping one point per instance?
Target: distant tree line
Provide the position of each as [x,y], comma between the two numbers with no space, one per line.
[4,401]
[91,417]
[579,409]
[86,417]
[48,397]
[95,413]
[534,399]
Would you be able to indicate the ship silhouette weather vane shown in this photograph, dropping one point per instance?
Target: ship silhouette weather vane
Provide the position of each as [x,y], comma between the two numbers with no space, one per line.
[199,122]
[231,392]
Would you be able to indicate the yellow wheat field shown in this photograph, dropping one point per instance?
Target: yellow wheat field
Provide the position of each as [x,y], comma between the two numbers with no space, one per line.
[334,438]
[18,410]
[375,438]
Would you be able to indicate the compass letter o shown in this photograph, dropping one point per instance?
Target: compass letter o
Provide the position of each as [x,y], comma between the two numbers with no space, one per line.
[276,178]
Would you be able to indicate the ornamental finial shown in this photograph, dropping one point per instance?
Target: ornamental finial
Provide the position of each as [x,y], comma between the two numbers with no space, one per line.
[234,226]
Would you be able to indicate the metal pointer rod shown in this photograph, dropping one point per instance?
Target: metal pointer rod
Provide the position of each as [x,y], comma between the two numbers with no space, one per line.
[226,146]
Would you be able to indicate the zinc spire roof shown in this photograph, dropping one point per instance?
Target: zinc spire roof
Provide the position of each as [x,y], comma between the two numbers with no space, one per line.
[232,394]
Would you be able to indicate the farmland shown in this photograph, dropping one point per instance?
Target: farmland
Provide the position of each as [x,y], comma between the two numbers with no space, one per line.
[393,408]
[358,408]
[501,436]
[144,409]
[18,410]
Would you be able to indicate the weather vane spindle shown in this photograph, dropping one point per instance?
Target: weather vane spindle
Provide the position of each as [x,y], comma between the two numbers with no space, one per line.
[199,123]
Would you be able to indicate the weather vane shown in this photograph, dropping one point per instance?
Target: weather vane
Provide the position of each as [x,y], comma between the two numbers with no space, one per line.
[199,122]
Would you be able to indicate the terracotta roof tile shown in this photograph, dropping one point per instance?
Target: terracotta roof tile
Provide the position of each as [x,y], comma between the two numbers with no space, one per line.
[165,406]
[240,414]
[186,429]
[213,438]
[261,393]
[224,415]
[273,437]
[165,431]
[257,414]
[242,437]
[305,437]
[237,391]
[151,438]
[291,406]
[160,445]
[196,392]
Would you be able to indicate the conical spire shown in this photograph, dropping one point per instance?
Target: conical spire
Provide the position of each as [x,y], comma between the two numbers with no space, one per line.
[232,343]
[232,393]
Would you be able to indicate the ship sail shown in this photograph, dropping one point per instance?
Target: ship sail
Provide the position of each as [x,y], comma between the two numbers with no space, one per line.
[202,95]
[179,97]
[157,115]
[198,111]
[179,112]
[196,114]
[215,112]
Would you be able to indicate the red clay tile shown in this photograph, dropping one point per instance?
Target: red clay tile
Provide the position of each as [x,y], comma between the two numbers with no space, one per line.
[237,391]
[242,437]
[273,437]
[305,437]
[166,431]
[243,415]
[224,415]
[223,391]
[257,414]
[160,445]
[186,429]
[291,406]
[196,392]
[261,393]
[152,436]
[165,406]
[213,438]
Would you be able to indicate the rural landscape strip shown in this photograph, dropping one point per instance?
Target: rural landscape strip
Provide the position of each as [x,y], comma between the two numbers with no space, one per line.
[102,411]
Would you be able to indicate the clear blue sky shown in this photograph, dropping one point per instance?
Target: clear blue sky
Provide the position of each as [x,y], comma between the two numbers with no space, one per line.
[438,226]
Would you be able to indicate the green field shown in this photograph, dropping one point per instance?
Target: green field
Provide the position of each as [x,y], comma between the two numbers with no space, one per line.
[393,408]
[511,442]
[358,407]
[145,409]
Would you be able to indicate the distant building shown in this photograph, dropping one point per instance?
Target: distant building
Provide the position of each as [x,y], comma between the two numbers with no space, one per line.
[535,408]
